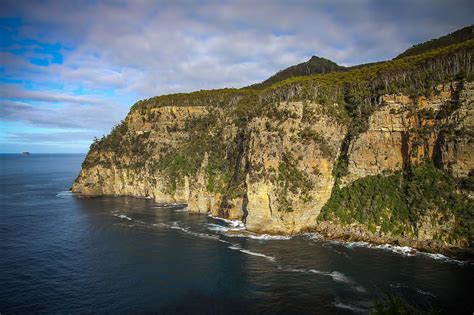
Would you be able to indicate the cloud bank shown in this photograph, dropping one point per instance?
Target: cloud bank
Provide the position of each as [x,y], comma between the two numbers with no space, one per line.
[80,65]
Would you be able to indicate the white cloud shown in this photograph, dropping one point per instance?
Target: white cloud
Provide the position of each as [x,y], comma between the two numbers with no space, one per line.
[140,49]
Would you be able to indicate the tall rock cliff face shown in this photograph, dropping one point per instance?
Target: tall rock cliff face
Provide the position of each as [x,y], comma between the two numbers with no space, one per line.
[290,167]
[410,173]
[405,132]
[287,157]
[275,173]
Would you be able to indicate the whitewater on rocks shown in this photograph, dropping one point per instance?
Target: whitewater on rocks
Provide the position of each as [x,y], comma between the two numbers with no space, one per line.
[224,229]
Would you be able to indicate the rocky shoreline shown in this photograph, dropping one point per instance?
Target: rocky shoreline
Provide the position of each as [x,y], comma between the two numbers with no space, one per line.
[357,234]
[343,233]
[333,231]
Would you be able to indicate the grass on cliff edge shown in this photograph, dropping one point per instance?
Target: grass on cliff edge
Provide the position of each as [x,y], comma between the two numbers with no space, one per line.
[396,203]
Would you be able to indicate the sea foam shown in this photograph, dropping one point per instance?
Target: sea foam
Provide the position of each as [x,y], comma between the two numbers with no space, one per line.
[402,250]
[232,223]
[261,237]
[349,307]
[64,194]
[248,252]
[175,226]
[122,216]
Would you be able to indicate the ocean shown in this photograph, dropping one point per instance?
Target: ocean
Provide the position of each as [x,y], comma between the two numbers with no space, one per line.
[64,253]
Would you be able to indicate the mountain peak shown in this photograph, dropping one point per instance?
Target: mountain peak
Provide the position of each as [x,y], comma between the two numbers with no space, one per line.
[314,65]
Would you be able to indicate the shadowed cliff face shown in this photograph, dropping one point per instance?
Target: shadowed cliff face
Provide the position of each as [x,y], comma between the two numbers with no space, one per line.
[275,157]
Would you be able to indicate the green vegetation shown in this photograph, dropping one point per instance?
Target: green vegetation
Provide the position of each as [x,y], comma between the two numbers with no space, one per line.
[393,304]
[358,90]
[456,37]
[312,66]
[309,135]
[397,202]
[291,179]
[204,137]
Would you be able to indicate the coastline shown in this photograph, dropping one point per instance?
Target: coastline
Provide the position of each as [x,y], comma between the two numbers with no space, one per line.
[348,234]
[331,231]
[358,236]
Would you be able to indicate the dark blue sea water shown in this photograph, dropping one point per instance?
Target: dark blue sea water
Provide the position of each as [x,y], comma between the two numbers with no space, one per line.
[62,253]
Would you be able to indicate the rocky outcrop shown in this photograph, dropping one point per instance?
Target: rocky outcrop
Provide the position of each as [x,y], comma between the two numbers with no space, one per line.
[282,162]
[285,164]
[276,158]
[360,233]
[406,132]
[291,164]
[123,171]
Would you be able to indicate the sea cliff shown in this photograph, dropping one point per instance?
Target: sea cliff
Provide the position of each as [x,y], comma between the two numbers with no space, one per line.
[382,151]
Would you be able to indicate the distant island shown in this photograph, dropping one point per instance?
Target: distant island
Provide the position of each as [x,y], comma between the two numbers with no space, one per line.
[25,153]
[381,152]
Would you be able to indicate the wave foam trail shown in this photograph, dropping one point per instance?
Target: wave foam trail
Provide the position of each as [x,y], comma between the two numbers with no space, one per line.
[404,250]
[233,223]
[162,225]
[443,258]
[425,293]
[357,244]
[261,237]
[181,210]
[175,226]
[313,236]
[297,270]
[248,252]
[337,276]
[64,194]
[217,227]
[257,254]
[360,289]
[123,216]
[349,307]
[168,205]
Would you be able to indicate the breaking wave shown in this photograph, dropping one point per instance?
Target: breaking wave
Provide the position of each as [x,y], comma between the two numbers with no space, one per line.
[312,236]
[217,227]
[443,258]
[233,223]
[402,250]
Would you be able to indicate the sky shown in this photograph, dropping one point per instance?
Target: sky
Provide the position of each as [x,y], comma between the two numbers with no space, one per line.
[71,70]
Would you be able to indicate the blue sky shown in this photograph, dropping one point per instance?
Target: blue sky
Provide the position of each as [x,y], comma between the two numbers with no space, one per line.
[70,70]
